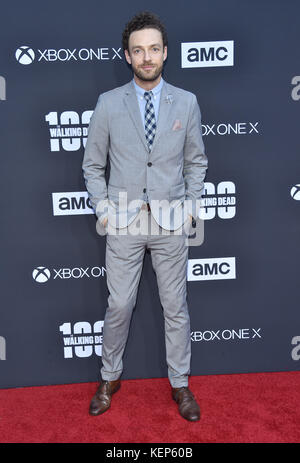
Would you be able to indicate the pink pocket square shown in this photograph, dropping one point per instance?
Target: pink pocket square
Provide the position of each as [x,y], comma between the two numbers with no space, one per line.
[177,125]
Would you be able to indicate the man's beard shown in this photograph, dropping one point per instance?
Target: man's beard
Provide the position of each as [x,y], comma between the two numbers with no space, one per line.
[142,75]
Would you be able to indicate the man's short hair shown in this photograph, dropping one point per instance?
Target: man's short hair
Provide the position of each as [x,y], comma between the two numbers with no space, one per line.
[143,20]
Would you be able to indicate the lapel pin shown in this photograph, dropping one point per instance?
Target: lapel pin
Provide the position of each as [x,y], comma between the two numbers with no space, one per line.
[169,99]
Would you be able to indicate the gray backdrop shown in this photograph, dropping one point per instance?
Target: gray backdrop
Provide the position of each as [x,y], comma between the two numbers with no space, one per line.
[243,284]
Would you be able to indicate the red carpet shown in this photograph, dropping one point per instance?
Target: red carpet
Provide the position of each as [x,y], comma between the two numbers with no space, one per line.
[255,408]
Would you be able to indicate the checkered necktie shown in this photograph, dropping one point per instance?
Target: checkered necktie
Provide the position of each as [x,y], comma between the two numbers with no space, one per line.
[150,123]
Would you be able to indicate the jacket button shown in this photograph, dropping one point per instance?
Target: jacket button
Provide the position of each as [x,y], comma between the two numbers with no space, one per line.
[144,190]
[149,164]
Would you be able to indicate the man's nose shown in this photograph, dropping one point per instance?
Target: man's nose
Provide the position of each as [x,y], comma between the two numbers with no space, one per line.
[147,56]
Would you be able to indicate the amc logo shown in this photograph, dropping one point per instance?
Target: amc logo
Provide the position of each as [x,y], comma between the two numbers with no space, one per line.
[71,203]
[2,348]
[219,268]
[2,88]
[207,54]
[296,350]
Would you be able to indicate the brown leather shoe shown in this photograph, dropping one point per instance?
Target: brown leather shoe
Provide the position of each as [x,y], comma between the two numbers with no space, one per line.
[187,405]
[101,400]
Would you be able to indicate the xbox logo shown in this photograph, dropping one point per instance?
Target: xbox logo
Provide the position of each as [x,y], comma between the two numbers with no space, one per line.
[295,192]
[41,274]
[25,55]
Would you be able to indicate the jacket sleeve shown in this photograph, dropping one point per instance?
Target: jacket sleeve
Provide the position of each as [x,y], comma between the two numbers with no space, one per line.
[195,161]
[95,159]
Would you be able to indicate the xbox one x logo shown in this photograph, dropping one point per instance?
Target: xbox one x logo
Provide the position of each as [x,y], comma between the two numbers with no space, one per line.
[295,192]
[25,55]
[41,274]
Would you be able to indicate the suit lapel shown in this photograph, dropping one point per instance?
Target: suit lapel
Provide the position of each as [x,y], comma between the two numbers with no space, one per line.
[131,103]
[165,105]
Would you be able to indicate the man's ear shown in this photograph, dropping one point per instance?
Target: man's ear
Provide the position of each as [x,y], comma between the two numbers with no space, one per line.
[165,52]
[127,56]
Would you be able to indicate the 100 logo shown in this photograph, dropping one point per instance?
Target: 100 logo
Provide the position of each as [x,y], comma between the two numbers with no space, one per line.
[68,130]
[82,339]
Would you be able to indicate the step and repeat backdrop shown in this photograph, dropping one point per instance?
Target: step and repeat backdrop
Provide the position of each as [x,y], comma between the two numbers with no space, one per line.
[241,59]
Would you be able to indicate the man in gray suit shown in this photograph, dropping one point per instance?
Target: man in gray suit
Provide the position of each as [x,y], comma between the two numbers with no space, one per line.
[151,132]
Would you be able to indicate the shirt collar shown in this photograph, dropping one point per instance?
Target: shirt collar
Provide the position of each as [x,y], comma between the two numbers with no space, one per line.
[156,90]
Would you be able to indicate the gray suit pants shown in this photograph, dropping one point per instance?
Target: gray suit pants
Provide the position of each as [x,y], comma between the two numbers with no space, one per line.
[124,261]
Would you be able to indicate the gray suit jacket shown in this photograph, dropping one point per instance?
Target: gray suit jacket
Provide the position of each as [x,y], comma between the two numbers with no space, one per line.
[174,171]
